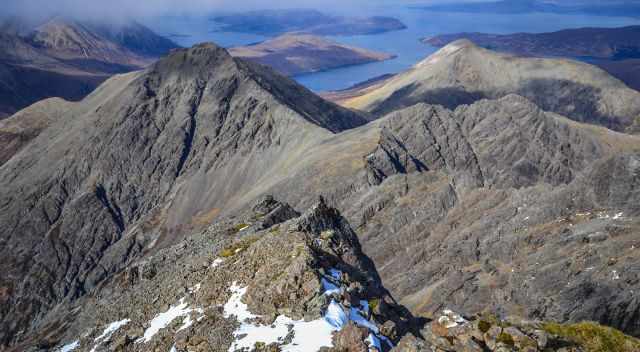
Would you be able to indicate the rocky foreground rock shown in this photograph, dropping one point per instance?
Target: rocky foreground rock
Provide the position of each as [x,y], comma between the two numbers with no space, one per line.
[268,280]
[272,279]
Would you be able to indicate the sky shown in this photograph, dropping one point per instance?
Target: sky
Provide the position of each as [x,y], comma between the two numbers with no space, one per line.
[150,8]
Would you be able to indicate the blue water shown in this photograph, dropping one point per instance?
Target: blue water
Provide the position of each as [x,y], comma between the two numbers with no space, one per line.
[405,44]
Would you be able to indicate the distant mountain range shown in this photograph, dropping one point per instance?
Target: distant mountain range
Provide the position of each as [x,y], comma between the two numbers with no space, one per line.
[616,50]
[600,8]
[72,57]
[294,54]
[276,22]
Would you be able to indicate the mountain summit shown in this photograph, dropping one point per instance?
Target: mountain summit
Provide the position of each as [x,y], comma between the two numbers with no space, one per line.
[149,148]
[462,73]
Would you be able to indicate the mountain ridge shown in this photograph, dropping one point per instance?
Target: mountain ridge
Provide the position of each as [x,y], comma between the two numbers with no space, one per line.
[73,57]
[461,73]
[496,195]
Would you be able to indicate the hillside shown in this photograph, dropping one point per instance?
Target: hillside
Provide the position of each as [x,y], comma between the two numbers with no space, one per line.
[295,54]
[72,57]
[615,50]
[462,73]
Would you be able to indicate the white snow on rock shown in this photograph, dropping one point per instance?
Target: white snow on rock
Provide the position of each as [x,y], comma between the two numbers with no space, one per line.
[450,319]
[308,336]
[195,288]
[374,342]
[162,320]
[356,317]
[336,316]
[615,275]
[187,322]
[234,305]
[70,347]
[329,288]
[217,262]
[109,330]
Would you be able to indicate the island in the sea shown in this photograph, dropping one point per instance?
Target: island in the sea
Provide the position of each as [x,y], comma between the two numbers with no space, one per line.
[295,54]
[277,22]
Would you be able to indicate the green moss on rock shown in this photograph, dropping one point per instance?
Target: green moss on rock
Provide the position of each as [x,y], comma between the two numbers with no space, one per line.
[594,337]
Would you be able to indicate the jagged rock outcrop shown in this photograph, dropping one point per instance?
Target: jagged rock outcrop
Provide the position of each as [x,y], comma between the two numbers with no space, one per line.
[462,73]
[300,282]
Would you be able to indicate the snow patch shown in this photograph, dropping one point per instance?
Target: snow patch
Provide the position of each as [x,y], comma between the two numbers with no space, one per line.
[195,288]
[374,342]
[450,319]
[70,347]
[307,336]
[336,316]
[330,287]
[109,330]
[354,315]
[615,275]
[234,305]
[162,320]
[217,262]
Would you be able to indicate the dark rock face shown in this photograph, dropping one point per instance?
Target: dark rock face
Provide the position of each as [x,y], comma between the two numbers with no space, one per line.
[498,206]
[131,148]
[509,209]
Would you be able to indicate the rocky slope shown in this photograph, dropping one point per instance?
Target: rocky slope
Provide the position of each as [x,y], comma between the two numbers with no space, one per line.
[462,73]
[615,50]
[268,277]
[495,206]
[72,57]
[294,54]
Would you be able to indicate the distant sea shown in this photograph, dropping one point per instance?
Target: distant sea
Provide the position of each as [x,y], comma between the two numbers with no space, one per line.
[405,44]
